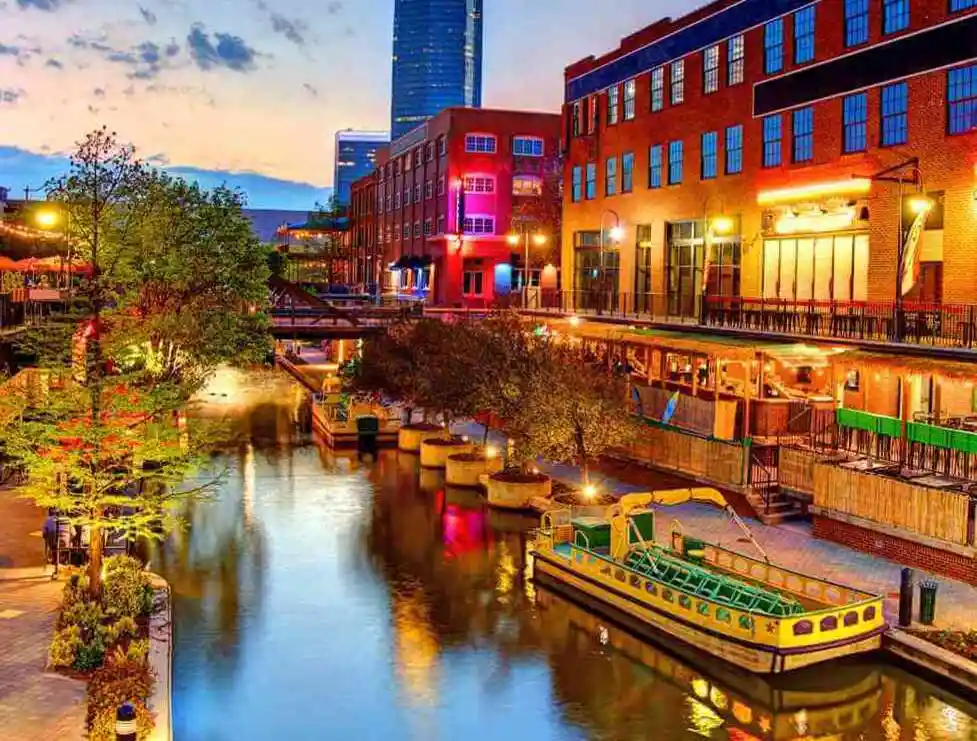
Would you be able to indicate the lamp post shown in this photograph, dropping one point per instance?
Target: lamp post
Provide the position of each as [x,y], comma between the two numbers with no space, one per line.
[539,240]
[46,219]
[721,225]
[616,234]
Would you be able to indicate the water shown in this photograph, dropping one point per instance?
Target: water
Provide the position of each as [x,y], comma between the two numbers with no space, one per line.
[320,598]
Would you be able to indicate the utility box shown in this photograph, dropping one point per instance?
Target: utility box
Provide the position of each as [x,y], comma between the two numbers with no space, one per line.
[644,522]
[594,533]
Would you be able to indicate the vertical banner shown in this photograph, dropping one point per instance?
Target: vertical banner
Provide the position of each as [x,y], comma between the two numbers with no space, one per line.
[910,254]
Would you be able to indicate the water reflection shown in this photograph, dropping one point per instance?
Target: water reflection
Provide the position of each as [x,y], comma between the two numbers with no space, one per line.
[321,596]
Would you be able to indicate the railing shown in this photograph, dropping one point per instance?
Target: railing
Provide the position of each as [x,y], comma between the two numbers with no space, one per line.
[910,322]
[764,479]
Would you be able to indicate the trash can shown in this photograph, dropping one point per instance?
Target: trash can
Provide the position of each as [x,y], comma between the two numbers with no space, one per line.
[927,602]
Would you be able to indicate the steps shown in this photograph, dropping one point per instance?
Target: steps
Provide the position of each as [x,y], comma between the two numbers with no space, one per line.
[781,508]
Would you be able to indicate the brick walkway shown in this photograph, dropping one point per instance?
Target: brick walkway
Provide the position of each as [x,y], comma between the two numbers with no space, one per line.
[34,704]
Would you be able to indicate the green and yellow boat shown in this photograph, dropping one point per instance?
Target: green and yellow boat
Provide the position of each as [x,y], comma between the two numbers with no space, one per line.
[746,611]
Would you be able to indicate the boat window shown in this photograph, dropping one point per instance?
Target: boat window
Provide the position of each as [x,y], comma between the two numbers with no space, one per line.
[667,595]
[723,615]
[794,584]
[759,572]
[803,628]
[725,560]
[813,588]
[741,565]
[650,587]
[702,608]
[685,602]
[851,618]
[775,577]
[746,622]
[829,623]
[833,595]
[619,574]
[869,614]
[635,581]
[605,570]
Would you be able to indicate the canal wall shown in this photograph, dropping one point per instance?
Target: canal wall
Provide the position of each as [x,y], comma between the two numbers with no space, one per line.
[161,660]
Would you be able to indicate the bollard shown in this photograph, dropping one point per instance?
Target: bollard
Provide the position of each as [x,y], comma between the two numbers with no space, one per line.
[125,723]
[927,601]
[906,599]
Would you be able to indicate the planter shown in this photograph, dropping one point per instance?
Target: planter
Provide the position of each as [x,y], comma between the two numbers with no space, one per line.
[435,451]
[410,437]
[430,480]
[463,469]
[517,490]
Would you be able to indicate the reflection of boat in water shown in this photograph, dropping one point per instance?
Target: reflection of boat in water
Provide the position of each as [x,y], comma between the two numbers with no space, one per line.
[751,613]
[807,705]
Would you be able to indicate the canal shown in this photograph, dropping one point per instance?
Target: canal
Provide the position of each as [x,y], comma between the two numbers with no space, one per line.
[319,597]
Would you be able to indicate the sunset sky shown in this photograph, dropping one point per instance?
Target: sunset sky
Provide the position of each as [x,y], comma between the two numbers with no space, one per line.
[252,91]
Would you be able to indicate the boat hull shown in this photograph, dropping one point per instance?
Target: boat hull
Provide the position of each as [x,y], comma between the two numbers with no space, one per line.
[653,624]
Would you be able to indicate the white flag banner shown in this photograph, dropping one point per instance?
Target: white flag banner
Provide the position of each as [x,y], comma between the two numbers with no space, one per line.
[910,254]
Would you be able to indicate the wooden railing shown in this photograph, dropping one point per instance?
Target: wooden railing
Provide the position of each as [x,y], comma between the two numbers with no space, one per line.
[718,461]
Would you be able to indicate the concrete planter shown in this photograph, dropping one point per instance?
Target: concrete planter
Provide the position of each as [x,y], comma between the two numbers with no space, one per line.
[410,437]
[430,480]
[435,451]
[463,469]
[516,491]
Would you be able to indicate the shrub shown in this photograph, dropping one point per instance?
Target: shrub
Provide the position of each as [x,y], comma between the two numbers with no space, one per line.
[90,655]
[147,599]
[138,651]
[126,677]
[124,626]
[64,647]
[125,583]
[75,591]
[86,615]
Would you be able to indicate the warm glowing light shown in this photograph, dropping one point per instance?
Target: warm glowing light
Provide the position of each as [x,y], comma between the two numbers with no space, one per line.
[464,438]
[815,223]
[491,452]
[539,239]
[853,186]
[590,491]
[722,225]
[575,321]
[920,204]
[456,182]
[46,219]
[513,239]
[700,687]
[617,233]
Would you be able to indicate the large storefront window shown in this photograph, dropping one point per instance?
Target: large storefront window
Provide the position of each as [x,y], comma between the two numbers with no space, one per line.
[686,250]
[596,284]
[832,267]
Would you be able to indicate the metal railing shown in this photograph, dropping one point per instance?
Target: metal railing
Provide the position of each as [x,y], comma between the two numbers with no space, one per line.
[911,322]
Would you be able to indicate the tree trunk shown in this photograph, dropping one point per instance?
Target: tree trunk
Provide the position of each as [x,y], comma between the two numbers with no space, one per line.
[485,433]
[95,555]
[582,456]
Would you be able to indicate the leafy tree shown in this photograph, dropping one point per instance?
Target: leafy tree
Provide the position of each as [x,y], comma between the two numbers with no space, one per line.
[176,286]
[543,213]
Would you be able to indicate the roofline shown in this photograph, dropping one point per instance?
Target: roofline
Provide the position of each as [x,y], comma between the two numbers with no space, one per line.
[354,135]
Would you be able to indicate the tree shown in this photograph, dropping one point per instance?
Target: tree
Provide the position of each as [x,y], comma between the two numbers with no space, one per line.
[543,213]
[176,285]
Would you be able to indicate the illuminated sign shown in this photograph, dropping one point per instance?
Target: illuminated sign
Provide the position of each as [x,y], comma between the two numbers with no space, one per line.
[814,191]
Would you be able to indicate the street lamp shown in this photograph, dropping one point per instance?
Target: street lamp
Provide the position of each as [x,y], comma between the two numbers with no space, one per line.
[616,234]
[46,218]
[539,240]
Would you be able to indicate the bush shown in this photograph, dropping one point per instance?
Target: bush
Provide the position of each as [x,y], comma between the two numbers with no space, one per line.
[124,587]
[90,655]
[75,591]
[64,647]
[126,677]
[124,626]
[147,599]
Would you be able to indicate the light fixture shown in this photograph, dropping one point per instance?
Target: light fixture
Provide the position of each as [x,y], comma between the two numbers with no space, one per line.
[513,239]
[574,321]
[814,190]
[616,233]
[590,491]
[491,452]
[46,218]
[920,204]
[722,225]
[539,239]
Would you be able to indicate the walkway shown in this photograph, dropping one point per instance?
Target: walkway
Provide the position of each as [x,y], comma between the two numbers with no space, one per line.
[34,704]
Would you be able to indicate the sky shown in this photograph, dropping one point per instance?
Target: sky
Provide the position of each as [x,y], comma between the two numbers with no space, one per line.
[251,92]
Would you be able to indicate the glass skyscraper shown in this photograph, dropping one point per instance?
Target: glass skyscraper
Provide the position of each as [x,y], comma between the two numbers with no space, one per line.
[437,60]
[356,156]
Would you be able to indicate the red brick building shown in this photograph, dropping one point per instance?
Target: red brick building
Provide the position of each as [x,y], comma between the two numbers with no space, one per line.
[759,148]
[363,246]
[448,195]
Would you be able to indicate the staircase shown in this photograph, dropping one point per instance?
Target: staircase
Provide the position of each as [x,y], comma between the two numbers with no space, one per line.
[770,505]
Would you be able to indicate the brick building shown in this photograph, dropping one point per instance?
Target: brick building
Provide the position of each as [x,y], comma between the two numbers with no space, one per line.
[779,134]
[447,197]
[363,247]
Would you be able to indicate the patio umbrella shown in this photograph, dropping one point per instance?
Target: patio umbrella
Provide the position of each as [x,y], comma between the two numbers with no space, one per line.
[7,264]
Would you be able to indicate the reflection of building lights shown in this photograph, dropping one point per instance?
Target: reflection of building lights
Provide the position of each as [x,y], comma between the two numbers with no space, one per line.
[575,321]
[742,713]
[491,452]
[703,720]
[718,698]
[815,190]
[701,688]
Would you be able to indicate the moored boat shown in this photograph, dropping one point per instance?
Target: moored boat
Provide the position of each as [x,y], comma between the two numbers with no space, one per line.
[749,612]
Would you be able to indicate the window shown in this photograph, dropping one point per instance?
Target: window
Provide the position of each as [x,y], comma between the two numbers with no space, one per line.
[473,283]
[710,154]
[630,90]
[627,172]
[658,88]
[527,185]
[406,195]
[802,122]
[480,143]
[592,114]
[527,146]
[417,192]
[406,231]
[390,202]
[610,177]
[591,181]
[895,15]
[417,229]
[479,184]
[856,22]
[397,199]
[772,141]
[773,46]
[678,81]
[655,166]
[428,227]
[441,224]
[710,70]
[956,5]
[734,149]
[674,163]
[479,225]
[613,98]
[962,99]
[735,52]
[575,124]
[855,115]
[442,146]
[429,152]
[441,185]
[895,107]
[429,189]
[407,160]
[576,190]
[804,21]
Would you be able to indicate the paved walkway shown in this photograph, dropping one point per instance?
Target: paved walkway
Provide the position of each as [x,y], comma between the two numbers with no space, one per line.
[790,545]
[34,704]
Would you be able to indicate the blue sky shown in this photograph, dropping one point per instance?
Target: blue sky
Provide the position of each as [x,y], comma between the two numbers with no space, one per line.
[252,91]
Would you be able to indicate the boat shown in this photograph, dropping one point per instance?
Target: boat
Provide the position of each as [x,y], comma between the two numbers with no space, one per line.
[746,611]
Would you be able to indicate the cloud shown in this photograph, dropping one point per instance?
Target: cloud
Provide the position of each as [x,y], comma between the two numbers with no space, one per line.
[230,51]
[9,51]
[99,92]
[147,15]
[334,7]
[292,30]
[311,89]
[48,5]
[20,53]
[11,95]
[146,58]
[54,63]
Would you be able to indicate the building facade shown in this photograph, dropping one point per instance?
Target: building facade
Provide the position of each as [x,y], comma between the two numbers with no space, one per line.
[364,247]
[457,200]
[785,150]
[356,156]
[437,60]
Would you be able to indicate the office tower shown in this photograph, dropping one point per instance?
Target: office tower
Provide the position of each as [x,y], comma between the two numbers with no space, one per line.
[356,156]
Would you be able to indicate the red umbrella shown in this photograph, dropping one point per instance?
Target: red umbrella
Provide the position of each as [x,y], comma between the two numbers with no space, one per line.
[7,264]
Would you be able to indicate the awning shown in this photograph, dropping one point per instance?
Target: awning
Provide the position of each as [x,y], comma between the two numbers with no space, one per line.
[907,365]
